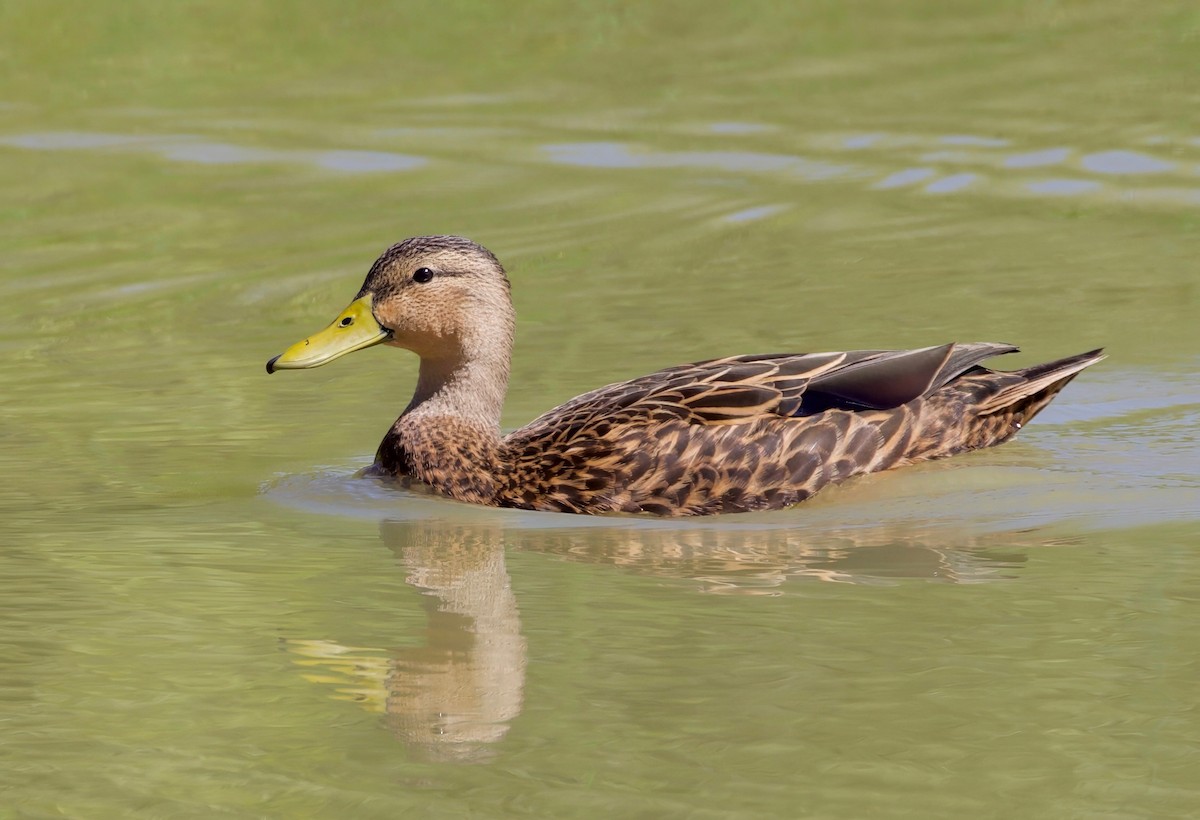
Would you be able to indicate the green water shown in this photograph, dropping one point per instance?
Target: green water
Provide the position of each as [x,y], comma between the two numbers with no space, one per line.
[203,614]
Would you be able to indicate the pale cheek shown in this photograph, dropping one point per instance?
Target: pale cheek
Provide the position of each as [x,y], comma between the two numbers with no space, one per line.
[425,342]
[424,324]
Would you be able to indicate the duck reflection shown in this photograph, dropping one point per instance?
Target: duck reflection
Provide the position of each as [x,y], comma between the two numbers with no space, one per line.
[455,695]
[761,560]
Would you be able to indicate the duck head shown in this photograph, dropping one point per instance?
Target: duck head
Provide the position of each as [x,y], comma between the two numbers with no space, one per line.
[445,298]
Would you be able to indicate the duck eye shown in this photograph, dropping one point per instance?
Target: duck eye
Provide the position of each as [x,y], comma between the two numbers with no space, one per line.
[422,275]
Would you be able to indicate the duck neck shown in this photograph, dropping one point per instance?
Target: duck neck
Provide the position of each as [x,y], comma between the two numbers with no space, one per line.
[459,395]
[467,388]
[449,436]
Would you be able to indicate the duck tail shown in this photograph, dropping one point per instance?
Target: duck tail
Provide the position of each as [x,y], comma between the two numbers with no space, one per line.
[1025,392]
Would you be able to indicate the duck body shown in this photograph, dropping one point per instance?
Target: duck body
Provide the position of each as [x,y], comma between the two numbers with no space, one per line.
[732,435]
[725,435]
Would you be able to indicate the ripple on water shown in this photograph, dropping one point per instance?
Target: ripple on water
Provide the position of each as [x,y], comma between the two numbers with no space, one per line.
[926,163]
[932,161]
[1062,187]
[754,214]
[1038,159]
[909,176]
[952,184]
[1125,162]
[739,128]
[192,149]
[620,155]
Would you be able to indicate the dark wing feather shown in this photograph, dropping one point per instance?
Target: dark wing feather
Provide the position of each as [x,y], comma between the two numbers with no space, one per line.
[893,378]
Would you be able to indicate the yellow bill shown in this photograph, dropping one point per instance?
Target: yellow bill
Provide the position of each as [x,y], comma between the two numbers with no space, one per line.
[354,329]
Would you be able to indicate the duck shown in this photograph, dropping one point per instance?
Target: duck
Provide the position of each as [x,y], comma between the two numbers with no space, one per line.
[728,435]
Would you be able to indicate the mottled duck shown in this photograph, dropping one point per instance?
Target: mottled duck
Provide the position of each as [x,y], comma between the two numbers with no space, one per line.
[727,435]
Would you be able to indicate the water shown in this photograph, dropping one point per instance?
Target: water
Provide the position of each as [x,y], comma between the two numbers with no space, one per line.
[204,613]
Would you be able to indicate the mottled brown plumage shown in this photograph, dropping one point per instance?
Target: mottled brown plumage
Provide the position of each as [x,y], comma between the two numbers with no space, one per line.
[726,435]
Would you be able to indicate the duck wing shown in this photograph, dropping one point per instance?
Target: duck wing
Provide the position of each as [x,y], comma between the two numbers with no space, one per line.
[743,389]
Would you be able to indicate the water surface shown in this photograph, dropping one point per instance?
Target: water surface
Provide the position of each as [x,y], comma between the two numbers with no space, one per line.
[205,613]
